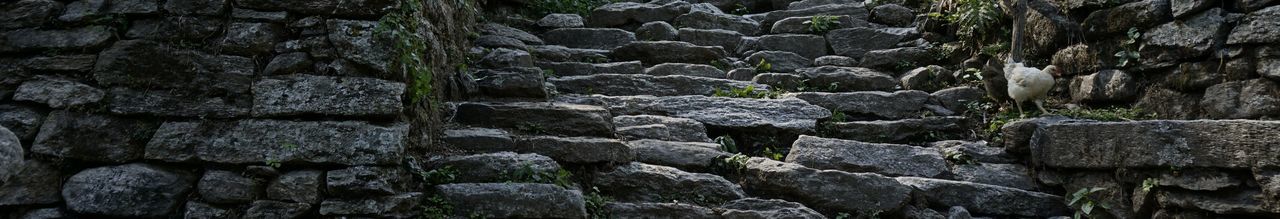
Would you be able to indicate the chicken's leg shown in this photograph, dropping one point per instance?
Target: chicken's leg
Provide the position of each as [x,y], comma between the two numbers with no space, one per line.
[1040,104]
[1018,104]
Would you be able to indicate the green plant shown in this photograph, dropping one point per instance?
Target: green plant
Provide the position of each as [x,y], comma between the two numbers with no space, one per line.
[272,162]
[719,65]
[740,9]
[1085,203]
[595,204]
[1149,183]
[838,116]
[727,144]
[842,215]
[530,127]
[1107,114]
[442,175]
[735,164]
[975,19]
[820,24]
[436,208]
[540,8]
[410,47]
[548,73]
[771,153]
[747,92]
[1129,51]
[958,157]
[904,65]
[527,174]
[764,66]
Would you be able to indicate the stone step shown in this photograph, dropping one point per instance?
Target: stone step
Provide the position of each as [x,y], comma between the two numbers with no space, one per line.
[686,69]
[302,142]
[1007,175]
[659,210]
[1157,144]
[637,182]
[537,117]
[928,128]
[779,61]
[799,25]
[623,13]
[828,190]
[559,69]
[631,84]
[660,128]
[658,52]
[558,53]
[987,199]
[707,20]
[855,11]
[856,156]
[785,115]
[809,46]
[511,82]
[505,58]
[767,208]
[726,39]
[578,150]
[843,79]
[478,139]
[498,167]
[876,104]
[513,200]
[589,38]
[688,156]
[509,32]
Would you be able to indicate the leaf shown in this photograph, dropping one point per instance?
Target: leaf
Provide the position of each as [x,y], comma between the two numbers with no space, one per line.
[1087,208]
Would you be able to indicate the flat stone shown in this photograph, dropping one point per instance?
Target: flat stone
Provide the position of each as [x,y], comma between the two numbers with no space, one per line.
[11,154]
[853,10]
[892,15]
[78,11]
[58,93]
[364,181]
[114,190]
[23,121]
[1185,8]
[553,118]
[891,58]
[658,52]
[589,38]
[855,156]
[814,3]
[728,40]
[1199,180]
[577,149]
[322,95]
[253,15]
[1160,143]
[661,128]
[842,61]
[244,38]
[800,25]
[76,63]
[620,13]
[92,137]
[1140,14]
[1104,86]
[1242,99]
[358,42]
[809,46]
[495,41]
[176,28]
[28,13]
[856,42]
[400,206]
[929,78]
[833,78]
[1170,104]
[506,58]
[499,167]
[1257,27]
[31,182]
[369,9]
[977,151]
[987,199]
[896,105]
[780,61]
[688,156]
[90,37]
[162,103]
[1007,175]
[264,209]
[655,31]
[512,82]
[556,53]
[698,70]
[148,64]
[479,139]
[658,210]
[579,68]
[706,20]
[503,30]
[290,142]
[1243,202]
[560,21]
[626,84]
[898,130]
[203,210]
[788,114]
[767,208]
[301,186]
[958,99]
[514,200]
[637,182]
[290,63]
[858,192]
[220,186]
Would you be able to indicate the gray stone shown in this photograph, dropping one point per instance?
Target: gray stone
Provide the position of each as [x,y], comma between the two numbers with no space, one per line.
[1184,8]
[658,52]
[929,79]
[495,41]
[1196,76]
[31,39]
[322,95]
[1242,99]
[560,21]
[512,82]
[199,210]
[688,156]
[656,31]
[11,154]
[856,156]
[958,99]
[858,192]
[1257,27]
[637,182]
[589,38]
[661,128]
[550,118]
[1178,41]
[1160,143]
[892,15]
[46,213]
[685,69]
[744,74]
[58,93]
[76,63]
[1017,134]
[780,61]
[787,114]
[116,190]
[503,30]
[1169,104]
[82,10]
[780,80]
[357,41]
[706,20]
[1007,175]
[854,10]
[1139,14]
[620,13]
[814,3]
[892,58]
[264,209]
[396,206]
[1241,202]
[479,139]
[1104,86]
[148,64]
[251,38]
[800,25]
[133,7]
[29,182]
[267,16]
[579,68]
[1076,59]
[23,121]
[987,199]
[705,7]
[162,103]
[623,210]
[289,142]
[728,40]
[178,28]
[577,149]
[504,58]
[1199,180]
[899,130]
[1048,28]
[555,53]
[767,208]
[218,186]
[958,212]
[514,200]
[976,151]
[842,61]
[499,167]
[92,137]
[368,9]
[301,186]
[27,13]
[1268,68]
[289,63]
[809,46]
[1268,179]
[833,79]
[896,105]
[363,181]
[196,7]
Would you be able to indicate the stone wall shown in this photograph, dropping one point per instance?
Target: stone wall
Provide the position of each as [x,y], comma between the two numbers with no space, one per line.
[209,108]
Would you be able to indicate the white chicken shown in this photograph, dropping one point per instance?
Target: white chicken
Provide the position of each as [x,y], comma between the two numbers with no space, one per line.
[1027,83]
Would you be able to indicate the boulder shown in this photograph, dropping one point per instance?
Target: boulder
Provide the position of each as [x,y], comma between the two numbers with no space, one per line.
[728,40]
[809,46]
[58,93]
[787,114]
[855,11]
[661,128]
[856,156]
[895,58]
[800,25]
[513,200]
[553,118]
[707,20]
[898,130]
[637,182]
[1104,86]
[857,192]
[479,139]
[987,199]
[23,121]
[656,31]
[841,61]
[1007,175]
[579,68]
[220,186]
[1257,27]
[1242,99]
[1197,143]
[896,105]
[322,95]
[92,137]
[28,13]
[577,149]
[560,21]
[503,30]
[264,209]
[115,190]
[834,79]
[767,208]
[32,39]
[512,82]
[499,167]
[301,186]
[893,15]
[365,181]
[621,13]
[1137,14]
[289,142]
[856,42]
[243,38]
[688,156]
[29,182]
[1178,41]
[506,58]
[658,210]
[658,52]
[589,38]
[358,41]
[398,206]
[780,61]
[556,53]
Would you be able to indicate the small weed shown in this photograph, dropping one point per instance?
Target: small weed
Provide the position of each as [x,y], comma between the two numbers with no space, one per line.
[595,204]
[740,9]
[1149,183]
[842,215]
[1084,202]
[1130,50]
[959,157]
[822,23]
[731,164]
[410,47]
[727,144]
[1108,114]
[771,153]
[719,65]
[747,92]
[764,66]
[541,8]
[526,174]
[272,162]
[443,175]
[838,116]
[548,73]
[905,65]
[436,208]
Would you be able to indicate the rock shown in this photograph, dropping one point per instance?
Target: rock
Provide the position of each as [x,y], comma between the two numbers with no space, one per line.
[1242,99]
[958,99]
[658,210]
[148,64]
[92,137]
[814,3]
[495,41]
[1199,180]
[365,181]
[252,38]
[620,13]
[1008,175]
[637,182]
[898,130]
[28,182]
[560,21]
[499,167]
[767,208]
[589,38]
[577,149]
[202,210]
[1178,41]
[855,42]
[28,13]
[196,7]
[853,10]
[800,25]
[343,96]
[656,31]
[357,41]
[23,121]
[958,212]
[987,199]
[265,16]
[11,154]
[1137,14]
[1268,179]
[504,58]
[705,7]
[114,190]
[156,103]
[554,118]
[780,61]
[578,68]
[1268,68]
[1257,27]
[780,80]
[1075,60]
[728,40]
[686,69]
[58,93]
[809,46]
[1048,28]
[688,156]
[835,79]
[855,156]
[1198,143]
[787,114]
[301,186]
[290,142]
[90,37]
[859,192]
[841,61]
[77,63]
[929,79]
[658,52]
[661,128]
[1017,134]
[502,30]
[179,28]
[79,11]
[1185,8]
[512,82]
[218,186]
[555,53]
[745,74]
[398,206]
[1243,202]
[706,20]
[893,58]
[479,139]
[892,15]
[514,200]
[134,7]
[263,209]
[976,151]
[1169,104]
[896,105]
[1104,86]
[290,63]
[1196,76]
